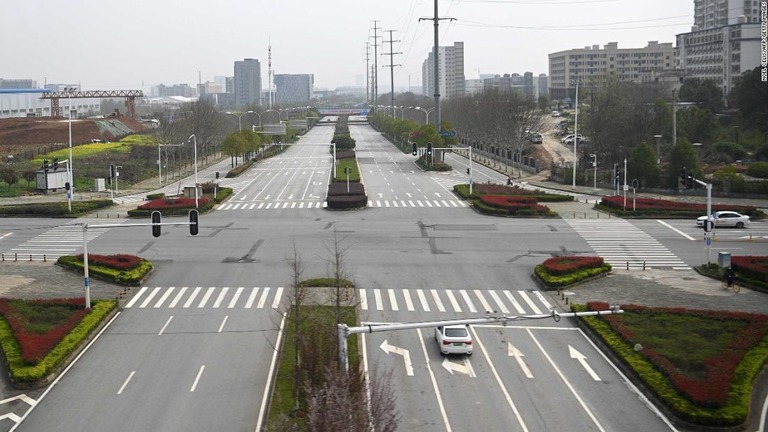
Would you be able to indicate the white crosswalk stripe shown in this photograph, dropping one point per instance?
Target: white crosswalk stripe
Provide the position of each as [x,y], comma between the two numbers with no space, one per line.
[211,297]
[305,205]
[58,241]
[458,301]
[620,243]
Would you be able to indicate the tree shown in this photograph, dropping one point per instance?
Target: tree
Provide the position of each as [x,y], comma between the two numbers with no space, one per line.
[683,157]
[750,96]
[703,92]
[233,145]
[9,175]
[697,125]
[641,165]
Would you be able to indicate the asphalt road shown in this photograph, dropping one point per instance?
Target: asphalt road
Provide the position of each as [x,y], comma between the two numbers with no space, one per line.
[192,350]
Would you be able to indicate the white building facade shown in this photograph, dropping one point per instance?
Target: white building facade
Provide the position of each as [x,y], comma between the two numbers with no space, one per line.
[450,72]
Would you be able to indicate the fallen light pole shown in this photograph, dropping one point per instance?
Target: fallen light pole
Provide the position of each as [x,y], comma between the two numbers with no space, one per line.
[344,330]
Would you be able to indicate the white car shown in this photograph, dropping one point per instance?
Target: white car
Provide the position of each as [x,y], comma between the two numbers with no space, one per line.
[725,219]
[555,113]
[569,139]
[454,339]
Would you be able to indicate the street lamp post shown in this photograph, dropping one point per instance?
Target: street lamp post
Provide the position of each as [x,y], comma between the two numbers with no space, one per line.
[70,178]
[194,138]
[594,166]
[658,155]
[575,133]
[240,117]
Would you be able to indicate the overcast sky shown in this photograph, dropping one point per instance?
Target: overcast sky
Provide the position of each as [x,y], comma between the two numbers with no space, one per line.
[108,45]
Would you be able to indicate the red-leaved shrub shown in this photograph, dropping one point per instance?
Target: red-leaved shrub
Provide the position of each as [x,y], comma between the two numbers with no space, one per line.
[563,265]
[173,203]
[119,261]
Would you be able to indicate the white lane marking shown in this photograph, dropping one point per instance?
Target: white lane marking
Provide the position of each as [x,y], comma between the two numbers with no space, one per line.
[437,300]
[676,230]
[377,298]
[263,298]
[164,297]
[206,296]
[408,301]
[224,321]
[514,302]
[518,355]
[468,300]
[178,297]
[271,377]
[136,297]
[197,378]
[453,301]
[251,298]
[150,297]
[393,299]
[499,303]
[486,307]
[434,384]
[233,302]
[278,297]
[363,299]
[191,298]
[423,300]
[530,302]
[581,358]
[543,300]
[567,383]
[125,383]
[220,298]
[165,325]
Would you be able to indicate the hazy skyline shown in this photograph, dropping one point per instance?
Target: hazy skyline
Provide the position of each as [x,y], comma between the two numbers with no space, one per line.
[143,43]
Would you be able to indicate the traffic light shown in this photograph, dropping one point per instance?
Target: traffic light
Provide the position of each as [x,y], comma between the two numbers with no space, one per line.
[55,164]
[217,175]
[66,186]
[690,181]
[111,171]
[618,174]
[156,223]
[467,171]
[45,165]
[193,224]
[414,149]
[683,174]
[429,148]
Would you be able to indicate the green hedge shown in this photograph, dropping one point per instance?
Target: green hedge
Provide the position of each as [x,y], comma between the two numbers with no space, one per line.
[53,209]
[131,277]
[22,374]
[341,165]
[736,410]
[555,281]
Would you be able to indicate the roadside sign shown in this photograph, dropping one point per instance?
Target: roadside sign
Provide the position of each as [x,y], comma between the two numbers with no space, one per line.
[448,133]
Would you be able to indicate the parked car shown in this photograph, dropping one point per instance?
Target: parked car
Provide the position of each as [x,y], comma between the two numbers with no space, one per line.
[535,138]
[569,139]
[555,113]
[725,219]
[454,339]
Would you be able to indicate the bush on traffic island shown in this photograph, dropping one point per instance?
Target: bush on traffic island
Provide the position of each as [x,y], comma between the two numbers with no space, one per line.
[25,371]
[126,270]
[53,209]
[721,398]
[558,272]
[654,207]
[172,206]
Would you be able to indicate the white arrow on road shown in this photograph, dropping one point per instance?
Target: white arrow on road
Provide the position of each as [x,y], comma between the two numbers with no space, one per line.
[583,360]
[408,194]
[437,194]
[381,195]
[466,368]
[400,351]
[514,352]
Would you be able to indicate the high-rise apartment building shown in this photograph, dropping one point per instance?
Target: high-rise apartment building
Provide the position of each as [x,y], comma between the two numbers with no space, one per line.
[293,89]
[719,13]
[247,82]
[723,43]
[590,65]
[450,71]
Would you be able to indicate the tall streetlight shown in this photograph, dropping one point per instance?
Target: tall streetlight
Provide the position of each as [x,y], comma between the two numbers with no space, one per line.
[239,117]
[658,155]
[575,132]
[594,165]
[194,137]
[70,192]
[426,112]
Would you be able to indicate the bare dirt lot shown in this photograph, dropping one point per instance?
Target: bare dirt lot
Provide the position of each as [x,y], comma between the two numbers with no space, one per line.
[18,134]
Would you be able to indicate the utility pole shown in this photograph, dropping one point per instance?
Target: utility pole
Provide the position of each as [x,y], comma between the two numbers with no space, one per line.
[435,50]
[674,120]
[391,67]
[375,63]
[367,73]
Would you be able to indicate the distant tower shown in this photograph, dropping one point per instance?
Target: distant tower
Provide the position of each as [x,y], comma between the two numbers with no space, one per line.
[269,73]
